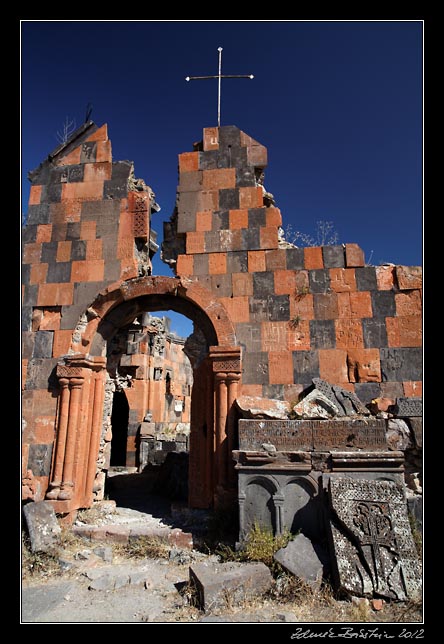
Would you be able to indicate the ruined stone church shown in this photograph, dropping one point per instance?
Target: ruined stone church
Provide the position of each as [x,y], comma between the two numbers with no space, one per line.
[300,359]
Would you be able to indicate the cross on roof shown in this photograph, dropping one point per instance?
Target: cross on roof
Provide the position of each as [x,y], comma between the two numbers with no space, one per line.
[219,76]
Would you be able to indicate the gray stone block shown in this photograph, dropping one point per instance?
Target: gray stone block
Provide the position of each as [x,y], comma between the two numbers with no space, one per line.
[88,153]
[415,425]
[333,256]
[76,173]
[121,171]
[414,505]
[29,233]
[221,285]
[383,304]
[78,249]
[229,136]
[295,258]
[273,391]
[366,278]
[249,336]
[85,293]
[27,344]
[250,238]
[319,280]
[245,176]
[390,390]
[59,273]
[186,220]
[255,368]
[73,231]
[40,373]
[38,214]
[51,193]
[367,391]
[306,366]
[43,342]
[30,296]
[70,316]
[39,459]
[237,262]
[221,220]
[263,284]
[229,199]
[26,318]
[112,271]
[209,160]
[58,232]
[200,264]
[43,528]
[222,585]
[190,181]
[108,210]
[401,364]
[322,334]
[408,407]
[114,189]
[25,273]
[256,217]
[49,252]
[375,332]
[279,307]
[301,559]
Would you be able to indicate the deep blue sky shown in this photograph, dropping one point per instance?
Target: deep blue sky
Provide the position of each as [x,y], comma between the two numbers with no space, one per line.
[337,104]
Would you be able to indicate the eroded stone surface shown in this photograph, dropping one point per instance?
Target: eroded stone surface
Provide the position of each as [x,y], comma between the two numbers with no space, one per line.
[301,559]
[43,527]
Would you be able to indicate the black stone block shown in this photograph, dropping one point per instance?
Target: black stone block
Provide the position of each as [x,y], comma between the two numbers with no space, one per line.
[367,391]
[383,304]
[401,364]
[319,280]
[322,334]
[38,214]
[27,344]
[273,391]
[229,136]
[263,284]
[89,151]
[255,368]
[251,238]
[200,264]
[70,316]
[112,271]
[375,332]
[279,307]
[100,211]
[78,249]
[237,262]
[26,318]
[73,231]
[333,256]
[49,252]
[238,159]
[305,365]
[121,171]
[43,344]
[86,292]
[41,374]
[249,336]
[114,189]
[76,173]
[221,285]
[29,233]
[221,220]
[30,296]
[408,407]
[39,459]
[209,160]
[26,273]
[366,278]
[229,199]
[295,258]
[58,232]
[52,193]
[245,177]
[133,428]
[256,217]
[59,272]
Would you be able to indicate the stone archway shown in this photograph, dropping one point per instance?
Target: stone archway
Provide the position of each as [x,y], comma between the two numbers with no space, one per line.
[81,376]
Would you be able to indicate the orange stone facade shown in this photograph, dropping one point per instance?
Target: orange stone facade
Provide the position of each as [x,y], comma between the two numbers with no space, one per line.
[270,316]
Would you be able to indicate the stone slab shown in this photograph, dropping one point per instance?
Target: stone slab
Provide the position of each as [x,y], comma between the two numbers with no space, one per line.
[228,584]
[301,559]
[415,425]
[42,524]
[408,407]
[371,540]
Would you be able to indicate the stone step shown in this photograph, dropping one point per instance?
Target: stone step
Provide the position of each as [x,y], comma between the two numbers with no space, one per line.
[124,533]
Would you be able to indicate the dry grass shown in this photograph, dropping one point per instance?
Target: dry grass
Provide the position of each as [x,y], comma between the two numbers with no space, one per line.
[38,564]
[143,548]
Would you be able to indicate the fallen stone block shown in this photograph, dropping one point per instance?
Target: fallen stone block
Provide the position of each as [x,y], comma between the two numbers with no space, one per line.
[228,584]
[256,407]
[301,559]
[43,527]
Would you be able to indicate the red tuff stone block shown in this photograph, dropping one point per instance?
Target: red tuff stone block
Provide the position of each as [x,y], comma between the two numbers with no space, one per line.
[257,154]
[385,277]
[280,368]
[55,294]
[44,429]
[251,390]
[275,259]
[238,219]
[256,261]
[65,212]
[344,308]
[219,179]
[349,334]
[188,162]
[32,253]
[333,365]
[88,270]
[273,217]
[101,134]
[204,220]
[412,389]
[268,238]
[410,331]
[88,230]
[284,281]
[364,365]
[61,343]
[342,280]
[35,195]
[326,306]
[409,277]
[242,284]
[298,335]
[93,191]
[207,200]
[302,283]
[252,197]
[24,372]
[73,158]
[184,265]
[38,273]
[381,404]
[313,258]
[103,152]
[97,171]
[361,305]
[217,263]
[94,249]
[392,326]
[408,303]
[292,393]
[301,306]
[210,138]
[44,233]
[50,320]
[237,308]
[274,336]
[354,255]
[195,242]
[63,251]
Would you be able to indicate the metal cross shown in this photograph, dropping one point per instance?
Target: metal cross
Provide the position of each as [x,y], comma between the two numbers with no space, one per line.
[219,77]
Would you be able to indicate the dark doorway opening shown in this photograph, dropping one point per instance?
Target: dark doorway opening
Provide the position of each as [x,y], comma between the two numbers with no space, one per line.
[119,423]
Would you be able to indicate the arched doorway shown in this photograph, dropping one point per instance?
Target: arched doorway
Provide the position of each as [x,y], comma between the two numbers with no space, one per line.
[216,375]
[119,428]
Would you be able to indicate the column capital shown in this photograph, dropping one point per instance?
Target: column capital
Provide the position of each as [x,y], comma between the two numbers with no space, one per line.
[225,359]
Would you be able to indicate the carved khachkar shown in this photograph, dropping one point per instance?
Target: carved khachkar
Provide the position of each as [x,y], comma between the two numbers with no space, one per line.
[372,541]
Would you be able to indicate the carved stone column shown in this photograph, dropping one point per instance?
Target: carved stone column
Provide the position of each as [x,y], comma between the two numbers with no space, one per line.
[278,500]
